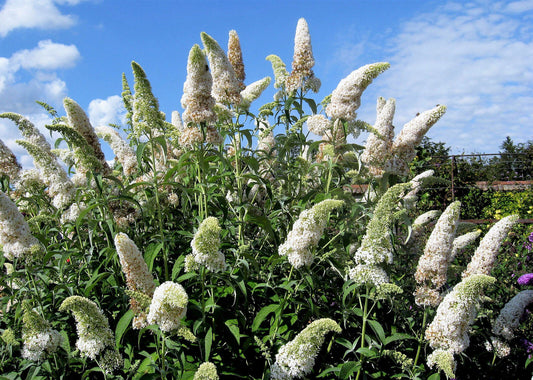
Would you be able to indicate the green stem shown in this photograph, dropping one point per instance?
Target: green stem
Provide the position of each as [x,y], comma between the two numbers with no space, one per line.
[282,307]
[363,332]
[421,337]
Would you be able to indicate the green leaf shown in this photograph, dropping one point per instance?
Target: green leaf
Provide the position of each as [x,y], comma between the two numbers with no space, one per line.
[122,325]
[365,351]
[397,336]
[151,253]
[261,316]
[233,327]
[378,330]
[208,342]
[348,369]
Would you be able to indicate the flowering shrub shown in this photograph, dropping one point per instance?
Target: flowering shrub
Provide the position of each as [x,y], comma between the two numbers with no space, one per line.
[228,244]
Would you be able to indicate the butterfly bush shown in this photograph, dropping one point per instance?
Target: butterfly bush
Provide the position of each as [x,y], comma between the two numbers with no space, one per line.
[297,358]
[123,152]
[485,255]
[448,333]
[95,338]
[376,248]
[226,87]
[138,276]
[40,340]
[60,187]
[15,235]
[9,165]
[509,318]
[306,233]
[302,75]
[235,57]
[431,272]
[168,306]
[206,371]
[205,247]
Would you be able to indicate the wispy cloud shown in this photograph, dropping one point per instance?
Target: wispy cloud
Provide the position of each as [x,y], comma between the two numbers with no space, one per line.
[107,111]
[476,59]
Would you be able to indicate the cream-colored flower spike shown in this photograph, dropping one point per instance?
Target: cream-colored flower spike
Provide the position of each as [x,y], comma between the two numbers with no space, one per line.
[125,153]
[253,91]
[403,147]
[346,98]
[509,318]
[8,163]
[15,236]
[303,60]
[235,57]
[77,119]
[280,70]
[197,99]
[377,148]
[485,255]
[226,86]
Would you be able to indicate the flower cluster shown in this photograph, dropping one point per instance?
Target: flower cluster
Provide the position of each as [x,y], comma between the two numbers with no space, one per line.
[95,338]
[431,272]
[306,232]
[448,333]
[206,371]
[485,255]
[168,306]
[509,318]
[253,91]
[226,87]
[197,100]
[138,276]
[235,57]
[39,337]
[297,358]
[280,71]
[15,236]
[9,165]
[376,247]
[60,187]
[124,153]
[205,247]
[346,98]
[302,75]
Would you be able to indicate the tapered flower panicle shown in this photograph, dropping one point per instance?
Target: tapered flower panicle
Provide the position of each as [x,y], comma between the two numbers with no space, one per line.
[280,70]
[77,119]
[226,86]
[485,255]
[206,371]
[297,358]
[460,242]
[431,272]
[9,165]
[509,318]
[205,247]
[124,153]
[306,233]
[235,57]
[95,338]
[448,333]
[138,276]
[377,148]
[346,98]
[168,306]
[197,99]
[60,187]
[15,236]
[376,247]
[403,147]
[253,91]
[303,60]
[147,119]
[39,338]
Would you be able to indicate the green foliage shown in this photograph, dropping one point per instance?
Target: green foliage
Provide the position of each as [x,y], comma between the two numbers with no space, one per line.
[237,318]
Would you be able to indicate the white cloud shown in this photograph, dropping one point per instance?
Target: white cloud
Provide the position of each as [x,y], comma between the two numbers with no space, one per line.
[47,55]
[107,111]
[476,59]
[42,14]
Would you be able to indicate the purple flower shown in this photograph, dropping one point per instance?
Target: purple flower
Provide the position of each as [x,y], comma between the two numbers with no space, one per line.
[530,237]
[526,279]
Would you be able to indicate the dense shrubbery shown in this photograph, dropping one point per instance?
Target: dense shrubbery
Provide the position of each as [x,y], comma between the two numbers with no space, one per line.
[230,244]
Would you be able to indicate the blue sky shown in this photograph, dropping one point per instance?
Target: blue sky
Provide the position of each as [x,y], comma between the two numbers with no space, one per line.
[474,57]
